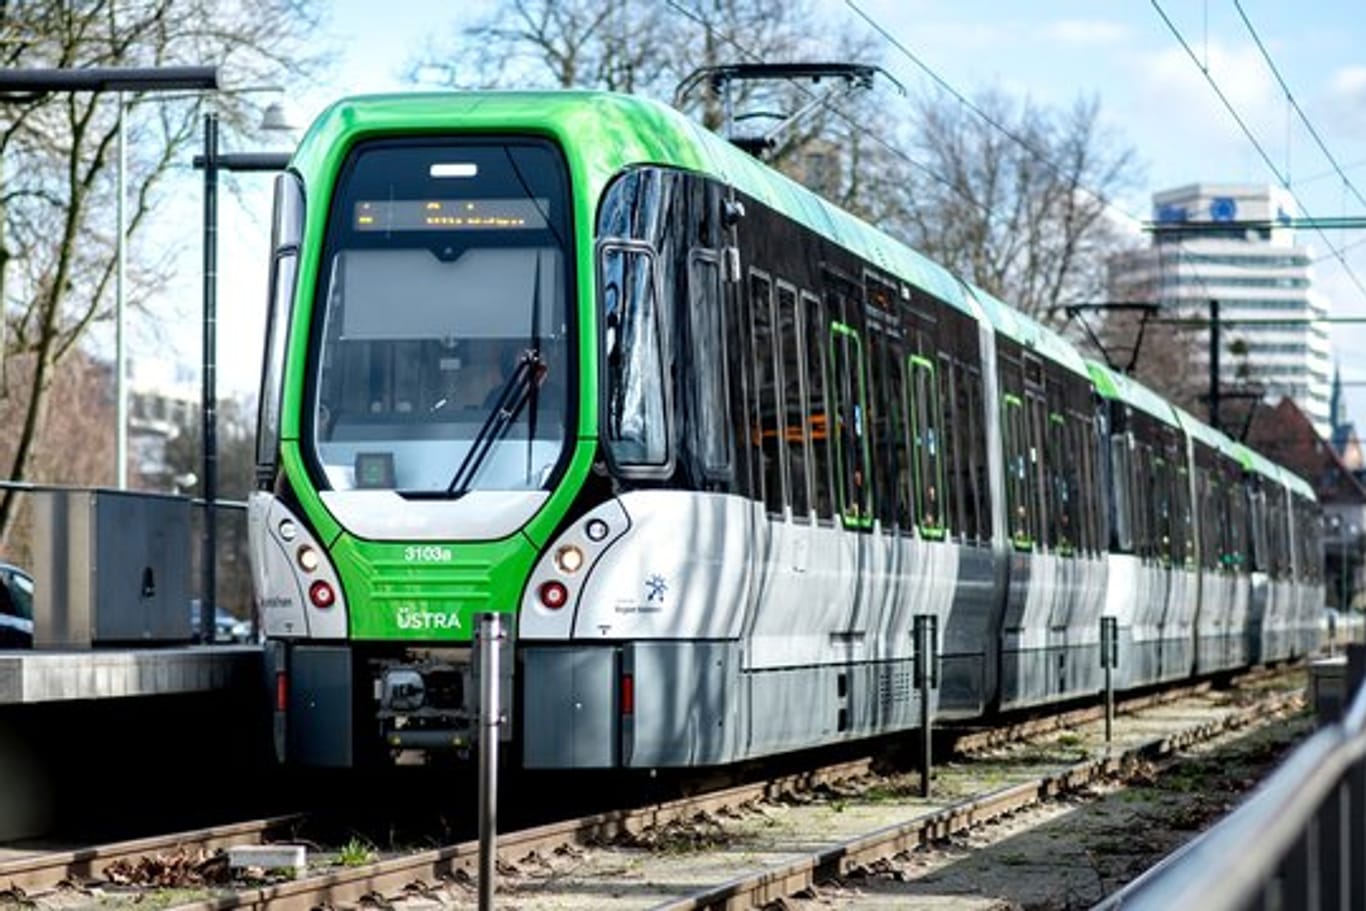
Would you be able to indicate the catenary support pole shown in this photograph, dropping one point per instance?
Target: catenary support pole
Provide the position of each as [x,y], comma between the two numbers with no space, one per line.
[209,379]
[490,719]
[120,319]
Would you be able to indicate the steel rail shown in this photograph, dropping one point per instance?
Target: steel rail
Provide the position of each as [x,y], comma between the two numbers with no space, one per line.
[785,879]
[351,884]
[391,876]
[45,870]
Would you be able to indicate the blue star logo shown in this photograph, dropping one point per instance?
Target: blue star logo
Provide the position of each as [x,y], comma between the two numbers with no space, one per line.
[655,587]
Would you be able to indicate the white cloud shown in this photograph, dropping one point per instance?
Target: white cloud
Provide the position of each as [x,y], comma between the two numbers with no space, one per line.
[1088,32]
[1177,107]
[1349,82]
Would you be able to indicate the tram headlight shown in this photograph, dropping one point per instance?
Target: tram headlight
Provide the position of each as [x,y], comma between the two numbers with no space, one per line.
[596,529]
[288,530]
[308,559]
[569,559]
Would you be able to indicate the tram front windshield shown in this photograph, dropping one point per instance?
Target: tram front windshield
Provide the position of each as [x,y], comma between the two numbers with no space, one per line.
[444,298]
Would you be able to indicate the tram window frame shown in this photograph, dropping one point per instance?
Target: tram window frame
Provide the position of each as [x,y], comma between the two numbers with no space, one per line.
[1036,410]
[927,447]
[651,466]
[792,396]
[711,416]
[979,467]
[1088,531]
[855,495]
[953,431]
[287,219]
[1015,444]
[1062,526]
[818,407]
[771,469]
[1123,528]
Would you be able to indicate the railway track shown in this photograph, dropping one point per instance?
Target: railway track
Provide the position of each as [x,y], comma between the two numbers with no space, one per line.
[448,868]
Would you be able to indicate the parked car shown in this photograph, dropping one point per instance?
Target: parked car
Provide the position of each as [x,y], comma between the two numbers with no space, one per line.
[226,627]
[16,607]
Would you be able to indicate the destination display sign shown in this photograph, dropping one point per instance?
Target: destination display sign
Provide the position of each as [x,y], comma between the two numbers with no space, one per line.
[451,214]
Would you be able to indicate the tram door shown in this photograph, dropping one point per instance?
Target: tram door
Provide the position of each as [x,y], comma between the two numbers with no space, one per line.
[850,431]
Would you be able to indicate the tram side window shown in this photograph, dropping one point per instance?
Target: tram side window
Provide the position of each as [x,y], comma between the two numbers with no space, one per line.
[1121,470]
[883,402]
[794,399]
[286,234]
[637,427]
[1087,533]
[817,410]
[767,433]
[851,437]
[1035,427]
[709,419]
[1162,524]
[927,446]
[1236,505]
[1058,460]
[965,460]
[953,447]
[1183,536]
[1016,445]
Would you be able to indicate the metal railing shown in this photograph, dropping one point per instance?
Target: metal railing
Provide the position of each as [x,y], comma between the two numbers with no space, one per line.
[1298,843]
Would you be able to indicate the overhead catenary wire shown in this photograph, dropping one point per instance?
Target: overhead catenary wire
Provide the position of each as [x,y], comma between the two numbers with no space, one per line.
[1290,97]
[991,121]
[855,125]
[1256,144]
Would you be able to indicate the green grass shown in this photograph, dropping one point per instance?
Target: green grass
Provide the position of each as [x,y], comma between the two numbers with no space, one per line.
[355,853]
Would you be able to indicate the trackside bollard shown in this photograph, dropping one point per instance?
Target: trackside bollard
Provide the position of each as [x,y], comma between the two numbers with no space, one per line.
[1109,660]
[490,718]
[926,633]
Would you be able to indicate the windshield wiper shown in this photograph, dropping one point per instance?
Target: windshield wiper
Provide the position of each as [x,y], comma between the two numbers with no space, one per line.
[520,387]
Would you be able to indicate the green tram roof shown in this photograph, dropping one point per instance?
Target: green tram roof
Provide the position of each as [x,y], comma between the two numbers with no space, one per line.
[603,133]
[1254,461]
[1028,332]
[1114,385]
[1214,439]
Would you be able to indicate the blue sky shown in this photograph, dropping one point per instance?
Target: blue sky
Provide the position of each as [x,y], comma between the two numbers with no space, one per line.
[1151,93]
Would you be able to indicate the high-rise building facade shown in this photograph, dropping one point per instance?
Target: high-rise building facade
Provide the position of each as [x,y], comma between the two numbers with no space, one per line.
[1234,244]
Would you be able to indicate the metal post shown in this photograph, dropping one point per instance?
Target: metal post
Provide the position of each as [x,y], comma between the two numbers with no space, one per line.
[120,354]
[209,378]
[1109,659]
[490,718]
[926,630]
[1333,854]
[1214,364]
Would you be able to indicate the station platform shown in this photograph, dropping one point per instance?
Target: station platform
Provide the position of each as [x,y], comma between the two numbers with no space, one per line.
[44,676]
[87,734]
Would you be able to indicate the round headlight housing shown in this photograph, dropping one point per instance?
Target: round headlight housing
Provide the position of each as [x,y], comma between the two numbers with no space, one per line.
[569,559]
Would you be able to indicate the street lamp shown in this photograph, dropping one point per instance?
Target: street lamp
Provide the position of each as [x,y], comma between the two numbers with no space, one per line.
[41,80]
[211,162]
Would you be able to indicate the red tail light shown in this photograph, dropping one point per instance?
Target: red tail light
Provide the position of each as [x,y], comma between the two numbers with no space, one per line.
[321,594]
[628,694]
[281,691]
[553,594]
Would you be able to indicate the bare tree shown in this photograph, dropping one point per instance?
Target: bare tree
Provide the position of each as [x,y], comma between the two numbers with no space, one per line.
[56,200]
[1025,214]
